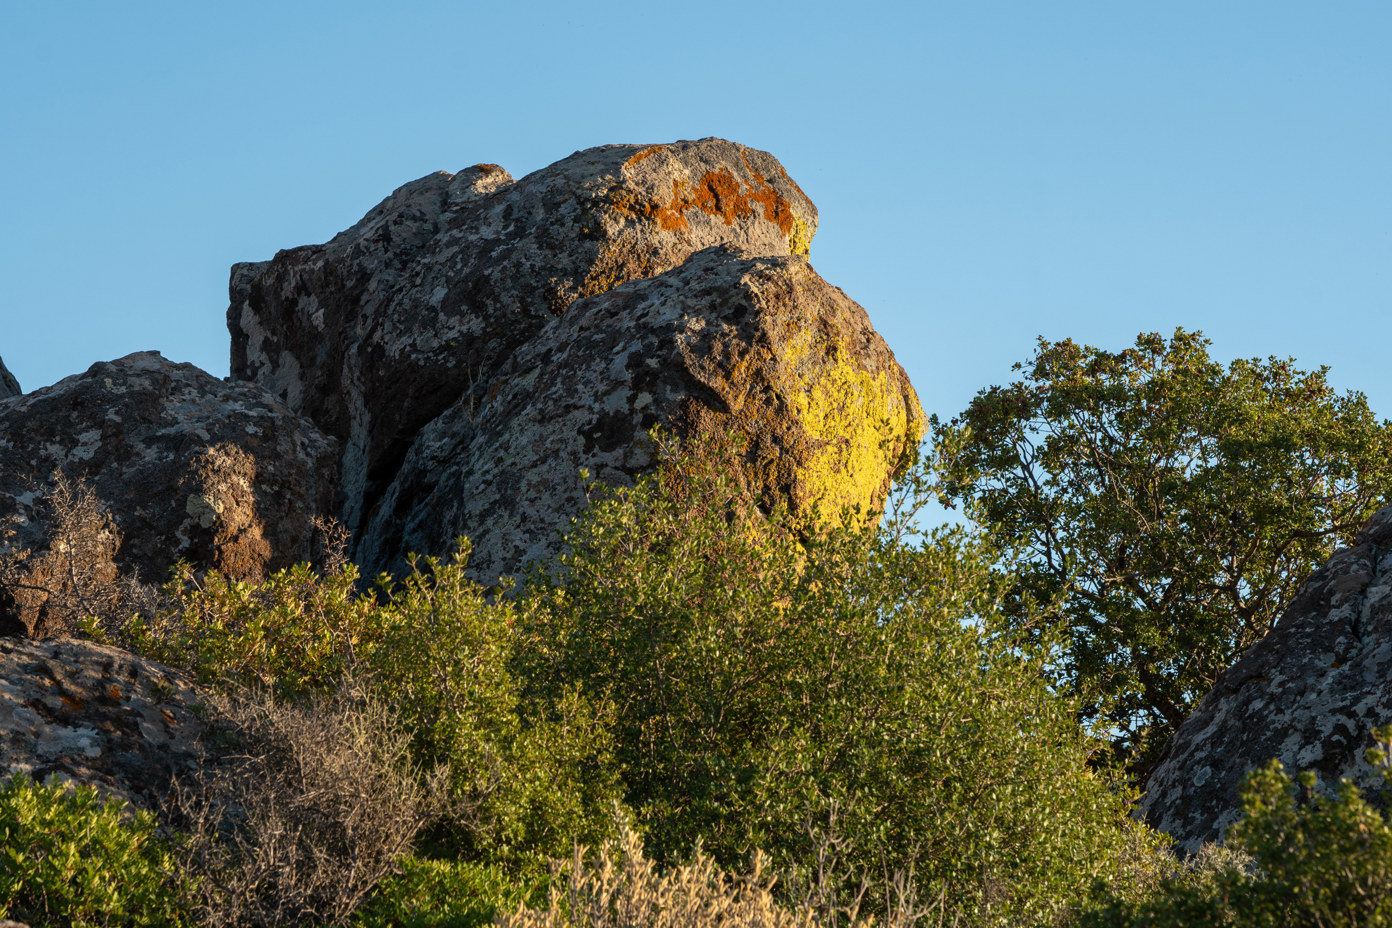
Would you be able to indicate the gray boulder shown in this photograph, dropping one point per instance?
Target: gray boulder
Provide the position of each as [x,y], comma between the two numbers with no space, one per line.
[1308,694]
[377,332]
[756,349]
[186,465]
[8,385]
[96,715]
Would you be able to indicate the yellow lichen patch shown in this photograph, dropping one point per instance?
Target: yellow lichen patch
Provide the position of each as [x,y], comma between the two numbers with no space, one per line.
[800,241]
[857,424]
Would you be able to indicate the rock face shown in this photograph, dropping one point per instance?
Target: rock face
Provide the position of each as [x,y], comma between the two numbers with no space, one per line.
[422,303]
[96,715]
[759,349]
[188,466]
[8,385]
[1308,693]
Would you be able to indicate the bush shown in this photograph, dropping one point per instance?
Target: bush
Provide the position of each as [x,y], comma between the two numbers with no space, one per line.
[432,893]
[71,859]
[781,687]
[314,804]
[529,777]
[1299,857]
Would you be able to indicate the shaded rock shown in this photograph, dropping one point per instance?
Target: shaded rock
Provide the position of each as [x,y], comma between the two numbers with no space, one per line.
[382,329]
[96,715]
[1308,694]
[758,349]
[8,385]
[187,466]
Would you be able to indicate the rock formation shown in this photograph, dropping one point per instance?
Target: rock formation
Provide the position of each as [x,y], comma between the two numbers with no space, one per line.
[1308,693]
[759,349]
[8,385]
[382,329]
[187,466]
[96,715]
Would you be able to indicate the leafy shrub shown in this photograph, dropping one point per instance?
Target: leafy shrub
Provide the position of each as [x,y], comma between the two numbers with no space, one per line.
[434,893]
[778,687]
[1301,857]
[316,803]
[529,777]
[70,859]
[297,632]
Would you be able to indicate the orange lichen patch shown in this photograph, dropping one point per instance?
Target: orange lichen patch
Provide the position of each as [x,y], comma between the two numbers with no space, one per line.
[719,194]
[488,168]
[74,703]
[650,150]
[114,693]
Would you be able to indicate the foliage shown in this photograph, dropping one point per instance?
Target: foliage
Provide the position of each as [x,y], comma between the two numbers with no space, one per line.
[1316,859]
[297,632]
[311,805]
[784,688]
[70,859]
[1167,505]
[531,777]
[435,893]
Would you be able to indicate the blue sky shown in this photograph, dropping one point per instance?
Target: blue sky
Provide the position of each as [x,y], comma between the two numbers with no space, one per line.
[985,172]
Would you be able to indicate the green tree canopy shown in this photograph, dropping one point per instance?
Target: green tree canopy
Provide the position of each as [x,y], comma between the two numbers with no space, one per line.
[1162,507]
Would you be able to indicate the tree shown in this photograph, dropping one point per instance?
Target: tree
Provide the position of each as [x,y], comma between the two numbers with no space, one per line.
[836,693]
[1162,508]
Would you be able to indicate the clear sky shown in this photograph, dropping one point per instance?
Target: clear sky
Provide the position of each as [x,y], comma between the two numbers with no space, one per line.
[986,172]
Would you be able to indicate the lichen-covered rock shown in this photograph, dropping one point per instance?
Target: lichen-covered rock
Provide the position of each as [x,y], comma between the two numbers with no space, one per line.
[96,715]
[756,349]
[382,329]
[188,466]
[1308,694]
[8,385]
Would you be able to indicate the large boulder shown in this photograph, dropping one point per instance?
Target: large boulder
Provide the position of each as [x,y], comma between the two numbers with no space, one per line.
[377,332]
[1309,694]
[759,350]
[8,385]
[96,715]
[186,465]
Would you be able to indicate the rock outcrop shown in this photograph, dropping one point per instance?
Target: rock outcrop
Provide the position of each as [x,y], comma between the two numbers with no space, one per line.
[8,385]
[98,716]
[1309,694]
[188,466]
[421,304]
[756,349]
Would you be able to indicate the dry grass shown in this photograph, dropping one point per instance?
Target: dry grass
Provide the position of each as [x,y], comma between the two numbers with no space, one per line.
[619,887]
[296,826]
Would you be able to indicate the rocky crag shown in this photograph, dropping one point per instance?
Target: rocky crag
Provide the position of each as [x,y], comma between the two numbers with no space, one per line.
[449,364]
[1309,694]
[8,385]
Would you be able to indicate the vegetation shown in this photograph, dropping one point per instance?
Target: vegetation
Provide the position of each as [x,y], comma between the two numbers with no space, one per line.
[1299,857]
[1165,507]
[862,721]
[70,859]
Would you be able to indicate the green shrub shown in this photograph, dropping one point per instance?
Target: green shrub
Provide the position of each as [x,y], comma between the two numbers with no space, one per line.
[530,776]
[297,632]
[841,693]
[433,893]
[1303,858]
[70,859]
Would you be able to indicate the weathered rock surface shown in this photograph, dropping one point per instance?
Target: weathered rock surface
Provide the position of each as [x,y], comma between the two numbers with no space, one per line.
[96,715]
[382,329]
[189,466]
[1308,693]
[8,385]
[758,349]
